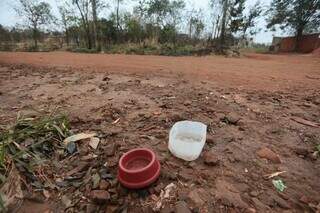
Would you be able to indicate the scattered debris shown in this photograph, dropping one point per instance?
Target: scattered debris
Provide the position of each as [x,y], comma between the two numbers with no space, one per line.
[10,191]
[116,121]
[181,207]
[100,196]
[78,137]
[269,176]
[66,201]
[279,185]
[164,195]
[95,180]
[305,122]
[70,176]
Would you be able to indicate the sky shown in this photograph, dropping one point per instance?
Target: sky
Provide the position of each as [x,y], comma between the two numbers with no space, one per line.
[9,18]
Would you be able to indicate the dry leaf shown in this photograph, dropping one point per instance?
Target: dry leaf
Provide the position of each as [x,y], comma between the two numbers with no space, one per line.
[94,142]
[78,137]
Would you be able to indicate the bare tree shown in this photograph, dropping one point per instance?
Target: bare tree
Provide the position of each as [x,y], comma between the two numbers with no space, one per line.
[83,8]
[66,20]
[95,24]
[97,5]
[36,14]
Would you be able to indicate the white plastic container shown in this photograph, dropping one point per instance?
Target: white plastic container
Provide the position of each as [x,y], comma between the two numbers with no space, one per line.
[186,139]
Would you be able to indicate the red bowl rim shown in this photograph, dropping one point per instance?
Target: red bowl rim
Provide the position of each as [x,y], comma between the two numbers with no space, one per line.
[133,171]
[143,183]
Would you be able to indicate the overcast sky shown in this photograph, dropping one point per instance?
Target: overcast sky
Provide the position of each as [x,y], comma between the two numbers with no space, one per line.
[8,16]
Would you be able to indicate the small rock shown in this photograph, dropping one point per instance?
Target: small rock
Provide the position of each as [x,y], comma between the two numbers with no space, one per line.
[167,209]
[254,193]
[301,151]
[170,175]
[304,199]
[91,208]
[232,118]
[66,201]
[259,205]
[104,185]
[194,197]
[104,174]
[181,207]
[100,196]
[71,147]
[106,78]
[187,103]
[281,202]
[110,150]
[112,209]
[186,175]
[250,210]
[177,117]
[229,195]
[210,140]
[268,154]
[210,158]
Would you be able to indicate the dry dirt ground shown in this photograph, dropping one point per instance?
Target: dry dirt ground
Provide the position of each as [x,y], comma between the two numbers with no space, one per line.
[262,112]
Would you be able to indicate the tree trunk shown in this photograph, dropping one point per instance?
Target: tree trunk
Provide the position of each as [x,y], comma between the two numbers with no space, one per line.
[35,36]
[223,24]
[298,39]
[88,37]
[216,30]
[117,13]
[86,26]
[95,24]
[67,37]
[118,21]
[190,28]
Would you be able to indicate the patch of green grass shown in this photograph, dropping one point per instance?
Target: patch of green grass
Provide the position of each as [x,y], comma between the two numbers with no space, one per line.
[32,139]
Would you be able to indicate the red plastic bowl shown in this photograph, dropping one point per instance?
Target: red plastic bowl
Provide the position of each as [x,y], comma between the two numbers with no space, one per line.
[138,168]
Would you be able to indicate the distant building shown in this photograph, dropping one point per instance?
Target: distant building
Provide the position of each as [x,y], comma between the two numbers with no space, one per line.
[307,44]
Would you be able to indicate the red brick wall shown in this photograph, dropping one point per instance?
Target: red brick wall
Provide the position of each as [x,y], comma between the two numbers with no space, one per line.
[307,44]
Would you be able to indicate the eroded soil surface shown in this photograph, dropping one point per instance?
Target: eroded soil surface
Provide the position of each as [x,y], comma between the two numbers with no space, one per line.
[137,109]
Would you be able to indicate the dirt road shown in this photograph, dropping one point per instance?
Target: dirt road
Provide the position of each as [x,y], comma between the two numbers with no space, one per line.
[262,114]
[254,71]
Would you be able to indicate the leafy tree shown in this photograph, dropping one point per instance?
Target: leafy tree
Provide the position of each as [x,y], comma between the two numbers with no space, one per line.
[160,10]
[196,25]
[140,10]
[108,30]
[4,34]
[117,14]
[236,15]
[134,31]
[164,12]
[298,15]
[168,34]
[36,14]
[67,19]
[250,20]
